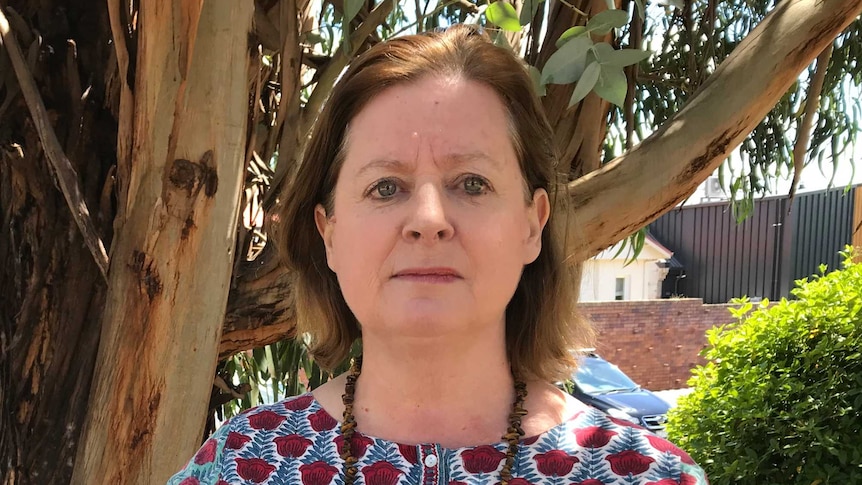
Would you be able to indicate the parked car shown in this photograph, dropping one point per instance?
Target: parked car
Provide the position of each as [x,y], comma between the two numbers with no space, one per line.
[603,385]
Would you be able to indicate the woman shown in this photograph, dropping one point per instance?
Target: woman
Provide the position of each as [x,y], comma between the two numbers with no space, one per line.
[420,221]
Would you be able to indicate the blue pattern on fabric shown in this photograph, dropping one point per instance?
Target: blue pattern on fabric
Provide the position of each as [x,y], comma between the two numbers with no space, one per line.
[295,441]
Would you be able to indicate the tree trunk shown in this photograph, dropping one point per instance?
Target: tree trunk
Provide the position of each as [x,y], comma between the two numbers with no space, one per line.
[172,257]
[51,290]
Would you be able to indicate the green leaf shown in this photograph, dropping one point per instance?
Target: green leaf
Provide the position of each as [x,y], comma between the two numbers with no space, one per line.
[501,40]
[528,10]
[570,34]
[536,76]
[351,8]
[585,83]
[503,15]
[637,241]
[603,22]
[567,64]
[612,84]
[626,57]
[345,38]
[313,38]
[603,51]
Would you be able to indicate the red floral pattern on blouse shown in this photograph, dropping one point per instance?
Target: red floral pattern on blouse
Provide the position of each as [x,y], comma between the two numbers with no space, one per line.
[292,445]
[296,441]
[236,441]
[482,459]
[267,420]
[207,452]
[629,461]
[254,469]
[593,436]
[555,463]
[317,473]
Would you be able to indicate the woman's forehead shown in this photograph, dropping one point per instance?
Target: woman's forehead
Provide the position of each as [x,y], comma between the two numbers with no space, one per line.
[451,121]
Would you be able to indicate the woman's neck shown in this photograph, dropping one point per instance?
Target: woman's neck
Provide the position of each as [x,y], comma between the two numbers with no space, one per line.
[455,393]
[434,390]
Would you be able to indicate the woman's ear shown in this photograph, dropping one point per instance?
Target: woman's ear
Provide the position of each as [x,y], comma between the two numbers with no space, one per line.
[324,228]
[537,213]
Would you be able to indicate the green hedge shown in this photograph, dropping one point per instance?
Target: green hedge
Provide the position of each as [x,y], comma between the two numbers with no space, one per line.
[780,400]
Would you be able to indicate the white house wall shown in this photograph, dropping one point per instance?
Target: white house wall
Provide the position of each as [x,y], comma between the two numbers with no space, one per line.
[643,277]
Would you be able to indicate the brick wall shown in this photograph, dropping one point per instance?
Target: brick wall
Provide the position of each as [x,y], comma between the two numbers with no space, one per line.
[656,342]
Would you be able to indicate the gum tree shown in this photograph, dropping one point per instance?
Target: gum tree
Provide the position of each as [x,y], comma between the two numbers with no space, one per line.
[144,144]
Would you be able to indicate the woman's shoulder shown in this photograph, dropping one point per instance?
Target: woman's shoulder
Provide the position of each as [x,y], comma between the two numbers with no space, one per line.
[592,440]
[248,444]
[300,414]
[593,428]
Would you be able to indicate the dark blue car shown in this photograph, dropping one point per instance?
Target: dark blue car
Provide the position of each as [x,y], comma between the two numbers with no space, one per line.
[603,385]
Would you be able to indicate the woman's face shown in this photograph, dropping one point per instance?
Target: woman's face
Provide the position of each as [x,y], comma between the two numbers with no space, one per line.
[431,226]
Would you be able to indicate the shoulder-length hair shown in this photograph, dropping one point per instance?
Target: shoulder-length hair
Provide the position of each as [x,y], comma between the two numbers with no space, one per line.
[542,324]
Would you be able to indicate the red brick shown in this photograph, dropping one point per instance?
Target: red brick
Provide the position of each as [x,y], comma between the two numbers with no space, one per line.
[656,342]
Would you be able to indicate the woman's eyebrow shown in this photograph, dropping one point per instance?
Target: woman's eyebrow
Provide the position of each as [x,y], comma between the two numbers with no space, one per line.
[389,164]
[477,156]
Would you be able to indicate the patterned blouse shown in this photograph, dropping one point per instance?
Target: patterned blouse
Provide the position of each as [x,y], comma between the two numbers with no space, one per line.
[295,441]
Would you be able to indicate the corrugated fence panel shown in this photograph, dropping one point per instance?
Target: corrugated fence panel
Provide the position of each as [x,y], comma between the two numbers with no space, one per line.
[857,222]
[763,255]
[823,225]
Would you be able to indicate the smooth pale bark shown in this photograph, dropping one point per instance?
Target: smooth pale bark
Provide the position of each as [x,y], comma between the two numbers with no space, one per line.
[638,187]
[171,263]
[609,204]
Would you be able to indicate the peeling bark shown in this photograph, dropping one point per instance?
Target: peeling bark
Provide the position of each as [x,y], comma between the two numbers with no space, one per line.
[51,290]
[171,264]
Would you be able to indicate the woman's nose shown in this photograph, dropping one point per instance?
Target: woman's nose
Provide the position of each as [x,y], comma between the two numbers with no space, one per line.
[428,220]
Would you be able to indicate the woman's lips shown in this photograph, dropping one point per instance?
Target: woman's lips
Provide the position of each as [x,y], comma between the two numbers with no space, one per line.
[428,275]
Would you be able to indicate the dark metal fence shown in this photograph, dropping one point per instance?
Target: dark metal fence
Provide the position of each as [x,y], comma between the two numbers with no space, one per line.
[760,257]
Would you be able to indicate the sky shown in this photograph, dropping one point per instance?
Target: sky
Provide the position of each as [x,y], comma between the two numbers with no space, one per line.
[812,178]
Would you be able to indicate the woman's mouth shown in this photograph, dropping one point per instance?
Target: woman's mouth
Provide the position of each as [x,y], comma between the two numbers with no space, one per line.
[428,275]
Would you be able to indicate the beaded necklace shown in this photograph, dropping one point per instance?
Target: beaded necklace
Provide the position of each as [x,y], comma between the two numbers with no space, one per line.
[348,426]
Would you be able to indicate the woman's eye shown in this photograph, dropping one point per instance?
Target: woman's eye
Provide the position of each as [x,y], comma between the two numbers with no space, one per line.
[475,185]
[385,189]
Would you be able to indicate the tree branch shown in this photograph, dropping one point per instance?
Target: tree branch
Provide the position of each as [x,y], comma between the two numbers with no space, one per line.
[288,127]
[641,185]
[66,174]
[260,305]
[803,134]
[126,110]
[339,62]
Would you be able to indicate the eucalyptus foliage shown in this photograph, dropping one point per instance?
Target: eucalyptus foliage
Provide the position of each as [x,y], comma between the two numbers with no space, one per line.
[780,400]
[690,41]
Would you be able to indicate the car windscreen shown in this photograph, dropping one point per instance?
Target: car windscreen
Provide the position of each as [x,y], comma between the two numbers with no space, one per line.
[597,376]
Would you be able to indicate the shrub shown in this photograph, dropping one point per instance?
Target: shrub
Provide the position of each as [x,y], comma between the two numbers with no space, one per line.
[780,399]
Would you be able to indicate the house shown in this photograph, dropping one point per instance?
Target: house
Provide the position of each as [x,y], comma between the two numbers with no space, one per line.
[606,277]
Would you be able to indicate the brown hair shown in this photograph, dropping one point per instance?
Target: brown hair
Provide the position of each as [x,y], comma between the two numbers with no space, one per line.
[542,325]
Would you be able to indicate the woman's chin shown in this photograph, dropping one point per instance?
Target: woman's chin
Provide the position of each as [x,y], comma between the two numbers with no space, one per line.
[432,322]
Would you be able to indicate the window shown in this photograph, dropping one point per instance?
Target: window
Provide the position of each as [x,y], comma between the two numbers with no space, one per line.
[620,291]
